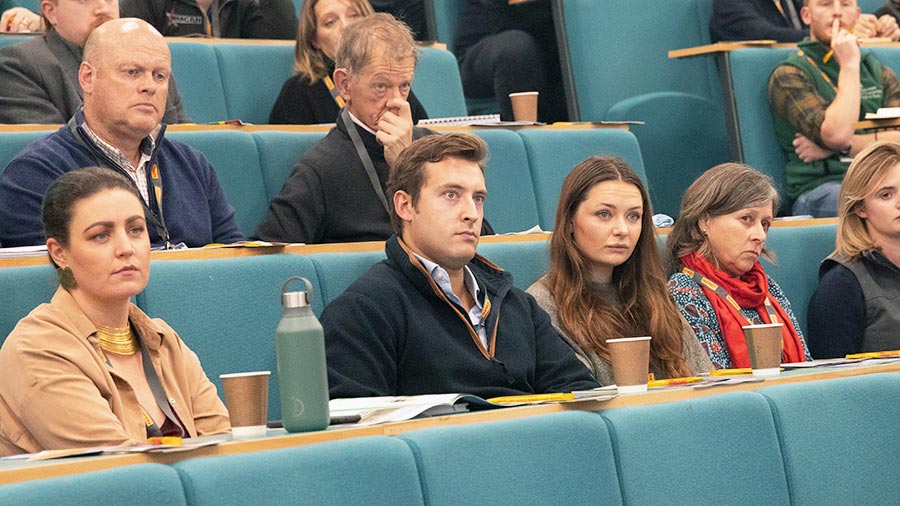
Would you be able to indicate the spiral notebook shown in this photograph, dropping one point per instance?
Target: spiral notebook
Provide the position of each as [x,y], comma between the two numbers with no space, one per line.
[460,120]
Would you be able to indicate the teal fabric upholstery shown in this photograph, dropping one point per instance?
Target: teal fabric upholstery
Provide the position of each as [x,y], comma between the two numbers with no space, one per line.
[840,439]
[527,261]
[437,83]
[553,153]
[511,205]
[682,137]
[797,267]
[870,6]
[252,76]
[561,459]
[24,288]
[236,160]
[226,310]
[446,16]
[337,271]
[196,71]
[750,70]
[278,153]
[11,143]
[720,450]
[376,471]
[9,40]
[137,485]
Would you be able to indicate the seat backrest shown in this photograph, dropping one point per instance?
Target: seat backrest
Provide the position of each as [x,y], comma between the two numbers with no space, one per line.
[9,40]
[337,271]
[840,439]
[527,261]
[719,450]
[870,6]
[553,153]
[750,70]
[378,471]
[196,72]
[561,459]
[24,289]
[252,76]
[446,17]
[279,152]
[437,83]
[138,485]
[510,205]
[12,143]
[234,156]
[226,310]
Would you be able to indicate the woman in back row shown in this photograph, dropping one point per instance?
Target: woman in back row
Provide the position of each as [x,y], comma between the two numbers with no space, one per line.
[310,97]
[606,278]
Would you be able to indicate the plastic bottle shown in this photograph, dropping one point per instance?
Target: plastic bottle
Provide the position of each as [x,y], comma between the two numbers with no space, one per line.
[300,356]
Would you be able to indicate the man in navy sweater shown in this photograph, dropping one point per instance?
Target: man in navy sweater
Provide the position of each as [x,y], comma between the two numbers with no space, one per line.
[125,78]
[435,317]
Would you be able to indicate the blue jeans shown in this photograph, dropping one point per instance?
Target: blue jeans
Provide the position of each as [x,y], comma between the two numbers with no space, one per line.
[820,202]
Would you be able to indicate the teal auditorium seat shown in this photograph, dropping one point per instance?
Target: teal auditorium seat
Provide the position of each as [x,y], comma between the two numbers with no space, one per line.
[614,71]
[511,205]
[234,156]
[9,40]
[553,153]
[561,459]
[437,83]
[719,450]
[337,271]
[376,471]
[839,439]
[196,71]
[279,152]
[252,76]
[527,261]
[870,6]
[750,70]
[797,267]
[11,143]
[24,288]
[137,485]
[226,310]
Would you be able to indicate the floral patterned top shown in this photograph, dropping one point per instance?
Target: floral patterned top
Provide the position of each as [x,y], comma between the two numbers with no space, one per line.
[700,315]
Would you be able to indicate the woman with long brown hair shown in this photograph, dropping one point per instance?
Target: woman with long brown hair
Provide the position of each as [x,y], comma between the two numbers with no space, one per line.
[606,278]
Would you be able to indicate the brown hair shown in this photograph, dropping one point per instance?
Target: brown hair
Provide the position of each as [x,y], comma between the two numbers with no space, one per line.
[862,178]
[408,172]
[309,60]
[377,33]
[721,190]
[640,281]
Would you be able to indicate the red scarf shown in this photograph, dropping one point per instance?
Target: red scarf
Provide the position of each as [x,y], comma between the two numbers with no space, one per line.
[750,291]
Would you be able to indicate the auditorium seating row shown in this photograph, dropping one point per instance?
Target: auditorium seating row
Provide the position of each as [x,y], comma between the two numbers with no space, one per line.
[226,310]
[523,175]
[822,443]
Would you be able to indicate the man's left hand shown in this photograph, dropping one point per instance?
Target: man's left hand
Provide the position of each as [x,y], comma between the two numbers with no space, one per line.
[809,151]
[395,129]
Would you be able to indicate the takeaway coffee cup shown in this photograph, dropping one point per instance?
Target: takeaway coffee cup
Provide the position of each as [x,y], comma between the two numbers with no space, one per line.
[630,357]
[247,399]
[525,105]
[764,345]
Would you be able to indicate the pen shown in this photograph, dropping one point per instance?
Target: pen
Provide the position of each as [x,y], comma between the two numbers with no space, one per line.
[9,22]
[830,52]
[674,381]
[875,354]
[728,372]
[533,398]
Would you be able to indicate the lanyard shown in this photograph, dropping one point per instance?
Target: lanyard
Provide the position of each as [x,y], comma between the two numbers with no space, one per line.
[780,8]
[816,65]
[364,158]
[335,94]
[708,283]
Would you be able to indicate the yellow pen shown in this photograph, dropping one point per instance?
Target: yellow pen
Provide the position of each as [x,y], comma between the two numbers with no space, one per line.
[674,381]
[729,372]
[533,398]
[875,354]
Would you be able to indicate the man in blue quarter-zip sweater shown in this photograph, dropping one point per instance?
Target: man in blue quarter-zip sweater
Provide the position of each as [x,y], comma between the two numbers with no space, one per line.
[435,317]
[125,77]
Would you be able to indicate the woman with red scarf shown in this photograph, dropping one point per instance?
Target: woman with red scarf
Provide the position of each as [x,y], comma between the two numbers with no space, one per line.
[719,285]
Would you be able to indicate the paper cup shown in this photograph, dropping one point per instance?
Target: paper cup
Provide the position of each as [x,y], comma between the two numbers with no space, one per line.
[525,105]
[630,358]
[764,345]
[247,399]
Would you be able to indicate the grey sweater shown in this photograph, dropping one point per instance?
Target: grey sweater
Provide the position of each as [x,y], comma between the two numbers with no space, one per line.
[694,355]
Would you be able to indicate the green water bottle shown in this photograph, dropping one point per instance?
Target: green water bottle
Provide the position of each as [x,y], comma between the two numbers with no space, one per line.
[300,357]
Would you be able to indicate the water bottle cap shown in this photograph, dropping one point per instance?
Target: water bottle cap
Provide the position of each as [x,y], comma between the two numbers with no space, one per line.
[296,299]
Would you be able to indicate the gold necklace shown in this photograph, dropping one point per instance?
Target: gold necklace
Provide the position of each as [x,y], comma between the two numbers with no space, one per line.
[120,341]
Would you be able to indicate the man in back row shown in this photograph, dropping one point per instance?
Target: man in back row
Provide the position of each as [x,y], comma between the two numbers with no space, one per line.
[125,77]
[40,76]
[435,317]
[817,95]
